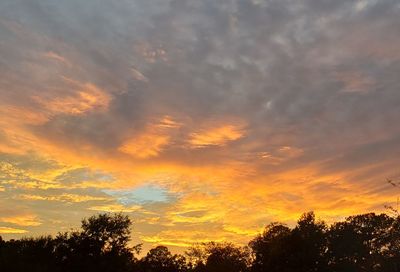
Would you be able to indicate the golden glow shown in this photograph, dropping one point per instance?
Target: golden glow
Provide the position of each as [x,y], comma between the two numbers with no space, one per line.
[86,97]
[22,220]
[216,136]
[145,146]
[115,208]
[7,230]
[71,198]
[152,141]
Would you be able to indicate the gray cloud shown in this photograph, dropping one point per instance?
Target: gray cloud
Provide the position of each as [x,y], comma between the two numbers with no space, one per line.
[219,58]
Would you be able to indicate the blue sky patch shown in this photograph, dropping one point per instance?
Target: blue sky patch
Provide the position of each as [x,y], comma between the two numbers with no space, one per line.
[143,194]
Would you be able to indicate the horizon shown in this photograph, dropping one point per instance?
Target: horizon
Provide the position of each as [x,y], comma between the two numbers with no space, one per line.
[201,120]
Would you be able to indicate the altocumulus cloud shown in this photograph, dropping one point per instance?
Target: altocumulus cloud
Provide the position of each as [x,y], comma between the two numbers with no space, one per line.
[249,109]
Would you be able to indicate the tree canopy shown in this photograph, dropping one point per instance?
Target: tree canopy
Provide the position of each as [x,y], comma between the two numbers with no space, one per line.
[367,242]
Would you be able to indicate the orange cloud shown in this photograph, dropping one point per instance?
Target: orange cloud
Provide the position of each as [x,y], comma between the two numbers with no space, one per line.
[87,97]
[116,208]
[145,145]
[280,155]
[242,231]
[216,136]
[152,141]
[70,198]
[22,220]
[7,230]
[22,114]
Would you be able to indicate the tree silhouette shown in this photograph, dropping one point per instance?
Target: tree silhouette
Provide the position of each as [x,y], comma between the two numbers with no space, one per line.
[309,245]
[101,244]
[283,249]
[28,254]
[215,257]
[361,243]
[271,250]
[161,259]
[366,242]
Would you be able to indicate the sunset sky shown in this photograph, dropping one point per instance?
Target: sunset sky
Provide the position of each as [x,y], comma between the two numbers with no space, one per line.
[200,119]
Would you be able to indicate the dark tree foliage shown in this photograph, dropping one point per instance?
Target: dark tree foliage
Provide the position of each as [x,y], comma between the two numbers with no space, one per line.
[227,257]
[28,254]
[308,245]
[101,245]
[366,242]
[215,257]
[161,259]
[300,249]
[271,252]
[361,243]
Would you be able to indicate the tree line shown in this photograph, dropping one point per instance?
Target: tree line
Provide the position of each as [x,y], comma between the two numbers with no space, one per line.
[368,242]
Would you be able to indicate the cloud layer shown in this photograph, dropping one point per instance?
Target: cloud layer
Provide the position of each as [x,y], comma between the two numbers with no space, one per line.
[241,112]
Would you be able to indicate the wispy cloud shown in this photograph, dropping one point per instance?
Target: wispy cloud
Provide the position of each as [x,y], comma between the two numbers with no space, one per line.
[7,230]
[216,136]
[22,220]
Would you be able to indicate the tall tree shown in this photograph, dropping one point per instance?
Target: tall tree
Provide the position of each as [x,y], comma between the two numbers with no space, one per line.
[282,249]
[101,245]
[160,259]
[309,245]
[365,242]
[270,249]
[215,257]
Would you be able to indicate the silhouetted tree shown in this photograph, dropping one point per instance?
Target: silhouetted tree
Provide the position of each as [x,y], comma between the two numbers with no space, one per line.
[101,245]
[28,254]
[365,242]
[270,249]
[309,245]
[160,259]
[227,257]
[361,243]
[215,257]
[282,249]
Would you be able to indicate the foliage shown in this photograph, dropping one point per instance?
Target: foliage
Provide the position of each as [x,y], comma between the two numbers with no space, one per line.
[219,257]
[160,259]
[367,242]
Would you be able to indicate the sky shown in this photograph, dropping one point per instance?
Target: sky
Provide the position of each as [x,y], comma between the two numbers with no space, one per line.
[200,119]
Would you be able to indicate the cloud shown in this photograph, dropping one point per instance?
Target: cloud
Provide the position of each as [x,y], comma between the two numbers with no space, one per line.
[64,197]
[257,110]
[216,136]
[152,141]
[56,57]
[146,145]
[116,208]
[87,97]
[7,230]
[356,82]
[22,220]
[138,75]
